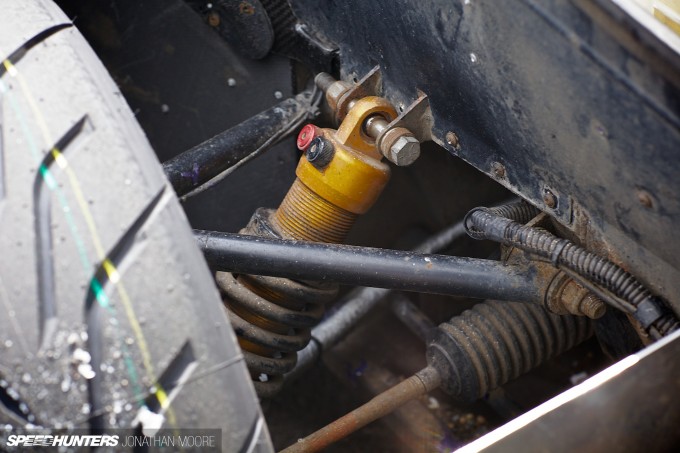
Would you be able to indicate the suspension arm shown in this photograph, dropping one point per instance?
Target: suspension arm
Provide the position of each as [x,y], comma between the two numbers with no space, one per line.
[373,267]
[205,161]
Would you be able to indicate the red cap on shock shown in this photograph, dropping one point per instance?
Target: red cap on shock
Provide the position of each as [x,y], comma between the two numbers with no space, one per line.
[306,135]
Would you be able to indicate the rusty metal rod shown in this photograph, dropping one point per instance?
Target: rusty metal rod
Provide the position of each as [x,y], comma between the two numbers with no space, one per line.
[420,383]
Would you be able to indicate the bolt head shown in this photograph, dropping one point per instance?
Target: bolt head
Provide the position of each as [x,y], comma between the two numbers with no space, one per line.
[452,139]
[213,19]
[549,199]
[498,169]
[405,151]
[335,91]
[645,199]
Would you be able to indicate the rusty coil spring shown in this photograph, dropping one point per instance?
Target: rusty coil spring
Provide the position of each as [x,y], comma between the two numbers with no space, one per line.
[272,318]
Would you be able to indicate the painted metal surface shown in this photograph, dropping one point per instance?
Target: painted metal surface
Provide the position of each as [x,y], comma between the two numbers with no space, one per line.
[574,99]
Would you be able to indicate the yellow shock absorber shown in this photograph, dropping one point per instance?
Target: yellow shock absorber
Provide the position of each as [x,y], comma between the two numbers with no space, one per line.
[339,177]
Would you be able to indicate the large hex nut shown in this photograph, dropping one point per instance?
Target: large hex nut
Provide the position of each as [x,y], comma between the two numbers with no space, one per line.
[405,150]
[397,151]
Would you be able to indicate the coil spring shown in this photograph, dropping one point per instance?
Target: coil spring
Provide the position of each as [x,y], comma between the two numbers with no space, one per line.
[495,342]
[272,318]
[520,211]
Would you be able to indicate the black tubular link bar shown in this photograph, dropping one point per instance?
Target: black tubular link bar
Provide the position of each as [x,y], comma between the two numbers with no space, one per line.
[373,267]
[198,165]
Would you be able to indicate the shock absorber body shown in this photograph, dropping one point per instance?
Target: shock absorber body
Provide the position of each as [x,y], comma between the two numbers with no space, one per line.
[339,177]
